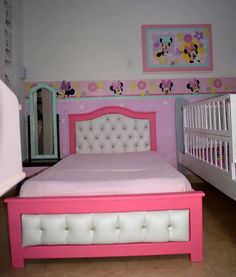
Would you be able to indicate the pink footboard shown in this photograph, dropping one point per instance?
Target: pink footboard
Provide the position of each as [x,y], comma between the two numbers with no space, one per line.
[94,204]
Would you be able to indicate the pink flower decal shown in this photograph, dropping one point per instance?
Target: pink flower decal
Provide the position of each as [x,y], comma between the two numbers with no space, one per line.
[217,83]
[92,86]
[188,38]
[141,85]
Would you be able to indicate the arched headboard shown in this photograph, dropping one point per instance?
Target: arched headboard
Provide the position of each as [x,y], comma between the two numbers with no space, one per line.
[112,130]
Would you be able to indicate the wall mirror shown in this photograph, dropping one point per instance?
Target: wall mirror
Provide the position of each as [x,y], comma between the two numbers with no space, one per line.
[43,123]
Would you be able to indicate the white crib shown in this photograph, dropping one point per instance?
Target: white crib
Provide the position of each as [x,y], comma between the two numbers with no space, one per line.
[209,128]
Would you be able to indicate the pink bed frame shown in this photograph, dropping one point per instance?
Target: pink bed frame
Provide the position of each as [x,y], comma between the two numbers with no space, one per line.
[99,204]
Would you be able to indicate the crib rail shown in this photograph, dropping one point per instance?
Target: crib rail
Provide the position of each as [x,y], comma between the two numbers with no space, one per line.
[209,134]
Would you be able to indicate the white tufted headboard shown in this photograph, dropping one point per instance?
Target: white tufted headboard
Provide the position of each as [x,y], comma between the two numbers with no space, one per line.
[112,130]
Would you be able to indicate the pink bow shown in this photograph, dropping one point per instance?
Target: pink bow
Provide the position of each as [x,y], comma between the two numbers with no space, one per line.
[194,83]
[116,85]
[166,84]
[65,85]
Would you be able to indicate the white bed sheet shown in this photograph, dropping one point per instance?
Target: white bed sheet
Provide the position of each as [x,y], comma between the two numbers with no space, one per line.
[104,174]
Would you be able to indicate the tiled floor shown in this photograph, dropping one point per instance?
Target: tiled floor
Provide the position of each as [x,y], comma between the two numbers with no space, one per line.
[219,251]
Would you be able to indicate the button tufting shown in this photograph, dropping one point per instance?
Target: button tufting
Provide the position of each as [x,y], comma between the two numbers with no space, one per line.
[115,230]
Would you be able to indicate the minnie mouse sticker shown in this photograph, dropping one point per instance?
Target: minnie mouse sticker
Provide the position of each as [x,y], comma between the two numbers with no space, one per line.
[194,86]
[66,90]
[117,88]
[166,86]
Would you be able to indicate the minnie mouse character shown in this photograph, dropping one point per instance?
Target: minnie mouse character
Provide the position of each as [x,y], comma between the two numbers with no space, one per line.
[165,46]
[67,90]
[117,88]
[194,86]
[192,53]
[166,86]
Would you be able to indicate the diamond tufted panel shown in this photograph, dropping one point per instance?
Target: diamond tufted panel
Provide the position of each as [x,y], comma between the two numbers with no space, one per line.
[112,133]
[103,228]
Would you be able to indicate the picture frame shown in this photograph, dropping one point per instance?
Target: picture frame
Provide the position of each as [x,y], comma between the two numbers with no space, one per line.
[185,47]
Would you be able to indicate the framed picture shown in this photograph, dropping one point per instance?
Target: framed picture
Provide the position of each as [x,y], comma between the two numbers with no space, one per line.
[177,47]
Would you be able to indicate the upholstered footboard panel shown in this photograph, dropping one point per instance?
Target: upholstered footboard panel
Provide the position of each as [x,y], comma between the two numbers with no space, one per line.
[188,205]
[103,228]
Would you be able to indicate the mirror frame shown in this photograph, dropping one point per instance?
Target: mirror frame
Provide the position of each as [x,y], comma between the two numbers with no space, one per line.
[32,101]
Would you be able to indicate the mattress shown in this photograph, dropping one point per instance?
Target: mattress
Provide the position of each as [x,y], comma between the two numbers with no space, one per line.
[106,174]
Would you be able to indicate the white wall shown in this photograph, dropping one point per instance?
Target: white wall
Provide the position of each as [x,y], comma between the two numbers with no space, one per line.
[101,39]
[14,68]
[18,64]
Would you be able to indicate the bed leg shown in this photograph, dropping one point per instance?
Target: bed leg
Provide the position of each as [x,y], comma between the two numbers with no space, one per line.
[196,257]
[17,262]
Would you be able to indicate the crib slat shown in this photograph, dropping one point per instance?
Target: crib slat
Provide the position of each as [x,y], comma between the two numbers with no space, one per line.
[219,116]
[210,116]
[185,143]
[215,152]
[211,150]
[197,147]
[226,156]
[220,154]
[203,149]
[214,116]
[199,116]
[206,117]
[224,116]
[207,150]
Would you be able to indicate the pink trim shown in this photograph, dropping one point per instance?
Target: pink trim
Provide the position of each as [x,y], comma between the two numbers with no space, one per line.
[151,116]
[114,203]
